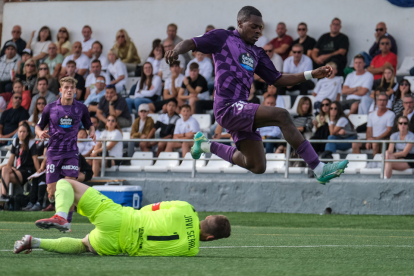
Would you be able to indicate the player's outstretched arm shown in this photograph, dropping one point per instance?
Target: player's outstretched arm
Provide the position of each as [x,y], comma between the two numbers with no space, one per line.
[292,79]
[181,48]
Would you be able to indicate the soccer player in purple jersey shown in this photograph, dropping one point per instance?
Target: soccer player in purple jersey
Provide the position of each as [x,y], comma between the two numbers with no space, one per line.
[236,60]
[63,117]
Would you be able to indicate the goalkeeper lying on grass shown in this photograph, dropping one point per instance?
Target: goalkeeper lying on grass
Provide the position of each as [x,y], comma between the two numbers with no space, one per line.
[170,228]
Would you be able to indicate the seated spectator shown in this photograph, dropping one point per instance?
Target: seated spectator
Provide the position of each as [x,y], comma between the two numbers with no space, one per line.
[252,95]
[298,63]
[54,60]
[380,31]
[63,44]
[53,85]
[357,85]
[94,97]
[221,133]
[37,113]
[87,41]
[379,125]
[82,60]
[282,42]
[332,46]
[114,105]
[29,75]
[26,95]
[171,88]
[85,147]
[140,129]
[329,87]
[114,149]
[185,128]
[306,41]
[27,53]
[127,51]
[42,85]
[384,60]
[204,65]
[24,151]
[117,71]
[147,90]
[209,28]
[172,34]
[80,85]
[402,151]
[408,104]
[95,123]
[340,128]
[277,62]
[16,39]
[97,49]
[321,126]
[85,170]
[10,119]
[40,46]
[155,57]
[272,91]
[8,64]
[90,82]
[167,123]
[194,87]
[262,41]
[270,132]
[164,71]
[404,88]
[303,121]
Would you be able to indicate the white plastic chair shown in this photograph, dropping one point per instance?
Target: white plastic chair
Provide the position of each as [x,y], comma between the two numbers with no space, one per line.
[288,101]
[235,169]
[410,80]
[261,98]
[131,81]
[154,116]
[378,157]
[358,120]
[354,167]
[406,65]
[204,120]
[273,166]
[164,165]
[292,111]
[187,164]
[138,165]
[216,165]
[126,135]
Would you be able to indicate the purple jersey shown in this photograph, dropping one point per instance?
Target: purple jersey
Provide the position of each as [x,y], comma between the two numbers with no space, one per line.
[64,121]
[235,65]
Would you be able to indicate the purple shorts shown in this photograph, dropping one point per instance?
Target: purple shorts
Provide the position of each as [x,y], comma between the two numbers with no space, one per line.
[238,119]
[58,169]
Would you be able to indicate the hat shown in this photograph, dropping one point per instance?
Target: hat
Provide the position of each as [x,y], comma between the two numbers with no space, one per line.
[27,51]
[11,43]
[143,106]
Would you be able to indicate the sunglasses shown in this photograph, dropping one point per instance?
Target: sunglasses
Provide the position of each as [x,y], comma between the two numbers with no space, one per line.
[402,123]
[379,30]
[43,68]
[301,29]
[63,31]
[100,81]
[404,84]
[30,65]
[143,111]
[407,102]
[385,43]
[17,98]
[333,108]
[268,51]
[41,103]
[121,36]
[16,32]
[110,121]
[325,104]
[297,52]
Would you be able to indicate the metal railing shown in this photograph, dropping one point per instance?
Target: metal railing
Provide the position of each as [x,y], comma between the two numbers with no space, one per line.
[287,159]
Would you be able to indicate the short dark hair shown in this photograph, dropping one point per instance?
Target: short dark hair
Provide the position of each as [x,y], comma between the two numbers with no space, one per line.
[336,19]
[384,37]
[100,76]
[18,81]
[298,45]
[173,100]
[360,57]
[186,106]
[71,62]
[43,79]
[175,63]
[380,89]
[97,42]
[96,61]
[87,26]
[304,24]
[245,13]
[220,228]
[194,66]
[172,25]
[382,93]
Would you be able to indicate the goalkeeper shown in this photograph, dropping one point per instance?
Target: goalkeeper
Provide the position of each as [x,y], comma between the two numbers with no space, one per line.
[170,228]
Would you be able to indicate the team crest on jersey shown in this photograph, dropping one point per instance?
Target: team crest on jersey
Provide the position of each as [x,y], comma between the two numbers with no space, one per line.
[66,122]
[247,61]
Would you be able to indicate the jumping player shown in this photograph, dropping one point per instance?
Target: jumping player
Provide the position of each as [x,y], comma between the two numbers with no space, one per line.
[236,61]
[63,117]
[162,229]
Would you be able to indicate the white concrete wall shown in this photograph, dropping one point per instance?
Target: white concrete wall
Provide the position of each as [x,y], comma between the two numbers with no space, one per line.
[147,20]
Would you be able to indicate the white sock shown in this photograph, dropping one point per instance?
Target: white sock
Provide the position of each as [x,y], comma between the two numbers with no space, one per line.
[35,243]
[205,146]
[62,214]
[319,169]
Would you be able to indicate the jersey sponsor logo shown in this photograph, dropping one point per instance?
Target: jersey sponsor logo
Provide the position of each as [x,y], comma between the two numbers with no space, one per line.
[156,206]
[246,61]
[66,122]
[70,167]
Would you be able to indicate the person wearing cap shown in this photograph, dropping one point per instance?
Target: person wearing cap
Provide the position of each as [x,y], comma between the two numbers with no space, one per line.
[8,67]
[141,128]
[93,99]
[27,54]
[20,43]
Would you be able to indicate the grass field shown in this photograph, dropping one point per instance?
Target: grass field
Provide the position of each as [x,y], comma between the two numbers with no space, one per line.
[260,244]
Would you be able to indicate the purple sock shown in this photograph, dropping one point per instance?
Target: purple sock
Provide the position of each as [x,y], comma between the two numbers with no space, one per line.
[223,151]
[69,219]
[306,151]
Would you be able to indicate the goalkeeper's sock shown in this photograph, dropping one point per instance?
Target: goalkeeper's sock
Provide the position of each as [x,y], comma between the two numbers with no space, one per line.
[63,245]
[64,197]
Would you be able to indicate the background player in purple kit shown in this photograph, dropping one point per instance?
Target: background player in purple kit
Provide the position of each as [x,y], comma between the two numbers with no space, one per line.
[63,117]
[236,60]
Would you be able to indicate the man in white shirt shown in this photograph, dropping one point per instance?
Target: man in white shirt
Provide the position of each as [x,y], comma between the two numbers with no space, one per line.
[96,94]
[270,132]
[357,85]
[97,54]
[204,65]
[185,128]
[329,87]
[164,71]
[82,61]
[379,126]
[277,62]
[297,63]
[87,40]
[96,71]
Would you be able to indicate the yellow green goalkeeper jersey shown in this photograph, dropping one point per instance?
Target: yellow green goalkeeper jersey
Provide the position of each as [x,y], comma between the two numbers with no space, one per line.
[168,228]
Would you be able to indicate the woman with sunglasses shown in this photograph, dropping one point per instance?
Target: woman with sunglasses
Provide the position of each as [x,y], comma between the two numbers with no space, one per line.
[53,85]
[63,44]
[37,113]
[126,50]
[404,88]
[402,150]
[29,75]
[40,46]
[114,149]
[321,125]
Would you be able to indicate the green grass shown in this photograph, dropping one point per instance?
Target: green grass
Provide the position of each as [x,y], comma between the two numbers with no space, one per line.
[364,245]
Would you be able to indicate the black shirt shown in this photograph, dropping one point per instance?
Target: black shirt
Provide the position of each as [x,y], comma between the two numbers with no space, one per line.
[28,81]
[20,43]
[119,104]
[24,158]
[307,44]
[255,100]
[167,124]
[11,118]
[328,44]
[84,167]
[200,81]
[80,85]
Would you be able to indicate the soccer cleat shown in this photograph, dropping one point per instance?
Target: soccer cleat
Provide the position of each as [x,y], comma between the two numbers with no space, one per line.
[196,150]
[331,171]
[56,221]
[24,244]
